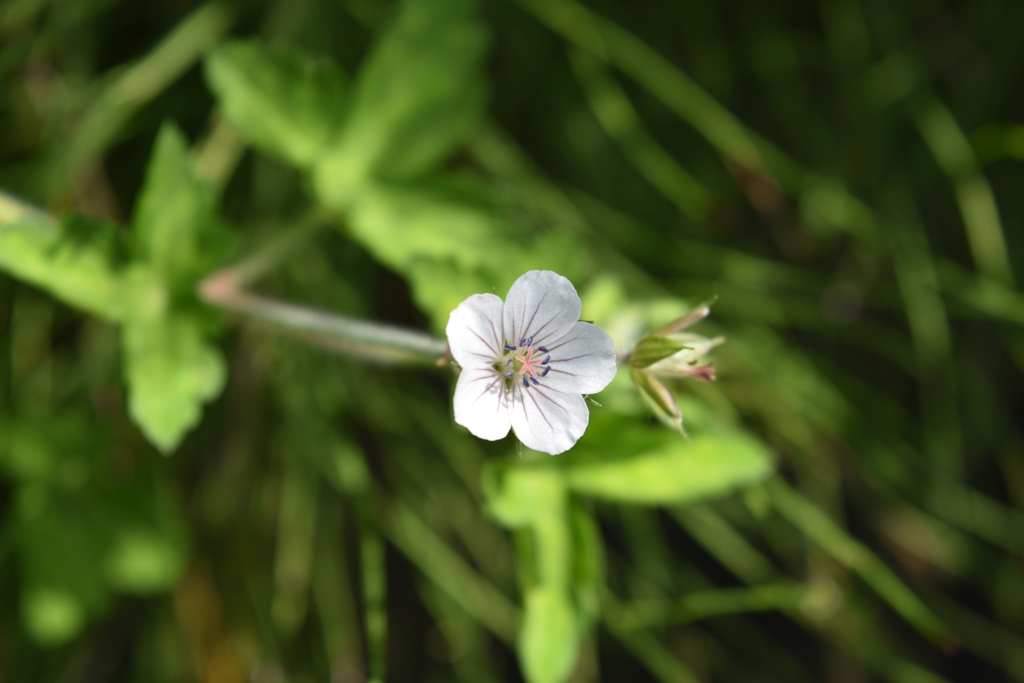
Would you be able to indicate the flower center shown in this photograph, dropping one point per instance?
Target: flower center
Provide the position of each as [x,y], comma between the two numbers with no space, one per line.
[520,363]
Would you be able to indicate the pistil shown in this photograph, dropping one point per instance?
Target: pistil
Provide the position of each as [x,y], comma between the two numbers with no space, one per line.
[524,365]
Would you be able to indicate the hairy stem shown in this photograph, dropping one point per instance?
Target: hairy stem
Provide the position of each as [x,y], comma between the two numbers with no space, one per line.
[367,340]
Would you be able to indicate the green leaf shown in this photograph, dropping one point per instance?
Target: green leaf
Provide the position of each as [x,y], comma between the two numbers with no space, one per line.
[128,538]
[402,225]
[650,350]
[442,238]
[450,240]
[172,371]
[666,470]
[658,398]
[283,101]
[414,100]
[588,574]
[77,260]
[549,638]
[177,230]
[519,495]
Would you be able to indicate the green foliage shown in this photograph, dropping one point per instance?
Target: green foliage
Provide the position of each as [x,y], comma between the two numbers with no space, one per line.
[448,240]
[665,470]
[76,259]
[334,521]
[80,540]
[548,639]
[658,398]
[413,100]
[171,366]
[561,563]
[534,499]
[172,370]
[283,102]
[177,232]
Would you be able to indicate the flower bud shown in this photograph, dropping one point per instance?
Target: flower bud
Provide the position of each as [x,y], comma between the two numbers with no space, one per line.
[687,361]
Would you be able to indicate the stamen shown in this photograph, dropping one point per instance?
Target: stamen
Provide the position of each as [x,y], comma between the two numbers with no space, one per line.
[509,348]
[525,383]
[510,374]
[534,380]
[546,371]
[542,349]
[545,361]
[522,342]
[529,342]
[509,363]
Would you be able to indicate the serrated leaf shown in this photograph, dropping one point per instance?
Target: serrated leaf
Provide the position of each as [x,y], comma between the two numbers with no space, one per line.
[414,99]
[285,102]
[172,370]
[77,260]
[549,637]
[669,470]
[658,398]
[650,350]
[177,230]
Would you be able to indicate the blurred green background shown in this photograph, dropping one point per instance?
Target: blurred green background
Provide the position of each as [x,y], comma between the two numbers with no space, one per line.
[219,493]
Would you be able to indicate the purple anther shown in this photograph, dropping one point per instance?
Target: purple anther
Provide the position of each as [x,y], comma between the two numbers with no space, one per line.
[522,342]
[534,380]
[509,348]
[509,363]
[545,361]
[542,349]
[529,342]
[510,374]
[525,383]
[546,371]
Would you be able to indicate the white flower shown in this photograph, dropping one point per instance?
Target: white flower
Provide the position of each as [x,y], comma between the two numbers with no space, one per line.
[526,362]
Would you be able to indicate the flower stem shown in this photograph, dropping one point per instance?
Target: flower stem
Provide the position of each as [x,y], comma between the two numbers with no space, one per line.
[377,342]
[367,340]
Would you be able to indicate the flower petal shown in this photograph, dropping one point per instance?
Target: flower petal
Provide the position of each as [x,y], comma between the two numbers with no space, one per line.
[582,361]
[541,304]
[474,331]
[481,403]
[547,419]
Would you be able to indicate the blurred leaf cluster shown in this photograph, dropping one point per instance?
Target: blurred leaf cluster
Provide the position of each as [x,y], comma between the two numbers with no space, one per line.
[186,495]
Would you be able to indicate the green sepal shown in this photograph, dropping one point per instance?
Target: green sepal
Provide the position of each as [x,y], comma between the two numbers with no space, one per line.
[696,315]
[650,350]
